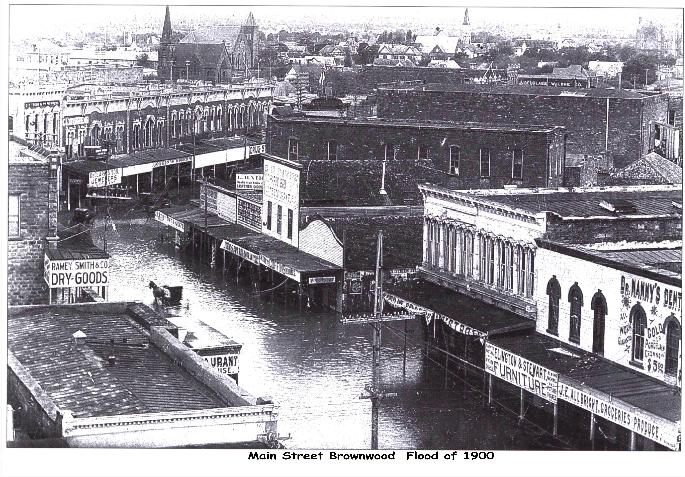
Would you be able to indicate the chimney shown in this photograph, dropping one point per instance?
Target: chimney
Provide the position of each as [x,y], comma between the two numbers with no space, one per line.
[79,338]
[111,359]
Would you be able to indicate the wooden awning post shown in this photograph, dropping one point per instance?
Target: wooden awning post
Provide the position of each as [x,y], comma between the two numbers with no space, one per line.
[555,428]
[489,388]
[523,400]
[592,430]
[633,439]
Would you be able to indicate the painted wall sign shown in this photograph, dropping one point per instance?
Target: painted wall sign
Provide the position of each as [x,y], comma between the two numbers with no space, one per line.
[104,178]
[249,214]
[249,181]
[281,188]
[648,425]
[226,206]
[76,273]
[256,149]
[280,268]
[356,287]
[209,194]
[520,372]
[224,363]
[171,162]
[321,280]
[240,251]
[41,104]
[170,221]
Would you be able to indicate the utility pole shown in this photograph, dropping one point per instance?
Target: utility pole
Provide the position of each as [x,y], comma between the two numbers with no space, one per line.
[376,342]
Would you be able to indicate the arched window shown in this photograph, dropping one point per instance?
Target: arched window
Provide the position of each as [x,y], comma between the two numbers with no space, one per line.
[553,296]
[599,306]
[638,318]
[575,298]
[673,337]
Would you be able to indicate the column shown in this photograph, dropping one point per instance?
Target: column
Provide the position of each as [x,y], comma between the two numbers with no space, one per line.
[459,233]
[518,255]
[426,255]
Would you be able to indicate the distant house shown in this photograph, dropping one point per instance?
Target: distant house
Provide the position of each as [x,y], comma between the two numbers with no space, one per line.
[399,52]
[336,52]
[439,46]
[391,62]
[520,46]
[605,69]
[443,64]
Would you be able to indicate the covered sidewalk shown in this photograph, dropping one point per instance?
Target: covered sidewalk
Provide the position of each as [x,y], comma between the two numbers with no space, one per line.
[641,404]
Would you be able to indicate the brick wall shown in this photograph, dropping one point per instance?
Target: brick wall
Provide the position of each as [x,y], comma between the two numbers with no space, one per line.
[364,142]
[25,255]
[583,117]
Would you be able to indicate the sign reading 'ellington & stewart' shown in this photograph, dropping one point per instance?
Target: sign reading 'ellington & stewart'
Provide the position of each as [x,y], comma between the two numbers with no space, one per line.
[525,374]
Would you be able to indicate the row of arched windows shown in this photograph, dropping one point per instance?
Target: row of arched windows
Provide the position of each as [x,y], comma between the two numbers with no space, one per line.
[638,320]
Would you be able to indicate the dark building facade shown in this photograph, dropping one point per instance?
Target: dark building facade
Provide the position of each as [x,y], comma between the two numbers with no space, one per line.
[473,155]
[622,123]
[32,197]
[217,53]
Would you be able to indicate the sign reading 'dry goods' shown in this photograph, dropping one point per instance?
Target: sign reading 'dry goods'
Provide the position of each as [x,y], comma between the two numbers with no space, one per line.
[256,149]
[226,207]
[104,178]
[76,273]
[249,181]
[525,374]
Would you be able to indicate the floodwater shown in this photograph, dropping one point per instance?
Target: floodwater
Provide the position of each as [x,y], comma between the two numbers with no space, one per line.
[316,367]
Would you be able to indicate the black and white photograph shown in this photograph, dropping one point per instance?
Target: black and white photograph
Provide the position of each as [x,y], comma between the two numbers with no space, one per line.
[427,238]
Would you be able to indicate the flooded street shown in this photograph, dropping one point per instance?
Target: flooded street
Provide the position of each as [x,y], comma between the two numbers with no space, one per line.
[314,366]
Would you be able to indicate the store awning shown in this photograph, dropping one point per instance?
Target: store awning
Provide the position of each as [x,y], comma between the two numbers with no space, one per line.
[461,313]
[621,395]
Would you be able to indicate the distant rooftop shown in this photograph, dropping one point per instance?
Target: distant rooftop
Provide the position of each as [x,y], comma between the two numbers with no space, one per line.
[525,90]
[417,123]
[26,154]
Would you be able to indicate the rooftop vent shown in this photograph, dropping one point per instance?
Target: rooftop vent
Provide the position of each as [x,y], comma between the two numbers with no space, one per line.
[618,206]
[79,338]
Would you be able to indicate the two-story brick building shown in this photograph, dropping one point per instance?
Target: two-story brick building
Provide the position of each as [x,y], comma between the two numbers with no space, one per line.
[619,122]
[474,155]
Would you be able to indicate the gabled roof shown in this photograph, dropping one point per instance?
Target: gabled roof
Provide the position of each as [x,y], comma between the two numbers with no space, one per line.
[573,71]
[206,54]
[214,35]
[447,44]
[652,168]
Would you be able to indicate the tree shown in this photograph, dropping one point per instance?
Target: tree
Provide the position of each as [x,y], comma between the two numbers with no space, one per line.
[348,58]
[143,60]
[408,38]
[635,68]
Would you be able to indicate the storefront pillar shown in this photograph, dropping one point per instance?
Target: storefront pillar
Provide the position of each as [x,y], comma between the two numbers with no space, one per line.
[178,179]
[212,262]
[152,181]
[633,439]
[489,388]
[521,407]
[592,430]
[555,428]
[137,185]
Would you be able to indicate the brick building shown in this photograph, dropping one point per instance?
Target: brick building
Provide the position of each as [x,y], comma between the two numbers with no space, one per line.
[136,117]
[622,123]
[474,155]
[32,189]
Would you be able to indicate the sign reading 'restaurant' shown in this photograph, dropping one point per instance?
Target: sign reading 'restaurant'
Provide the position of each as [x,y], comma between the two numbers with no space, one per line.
[525,374]
[224,363]
[76,273]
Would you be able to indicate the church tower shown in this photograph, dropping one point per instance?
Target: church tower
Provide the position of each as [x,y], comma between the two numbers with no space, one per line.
[249,31]
[164,58]
[465,32]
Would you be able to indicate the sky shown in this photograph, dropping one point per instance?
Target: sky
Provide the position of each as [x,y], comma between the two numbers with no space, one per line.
[44,20]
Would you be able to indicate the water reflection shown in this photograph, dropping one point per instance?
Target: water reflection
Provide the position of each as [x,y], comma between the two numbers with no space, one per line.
[314,366]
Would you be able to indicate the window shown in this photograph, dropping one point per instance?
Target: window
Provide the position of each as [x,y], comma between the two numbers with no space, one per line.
[14,228]
[517,164]
[575,298]
[423,152]
[553,295]
[269,210]
[599,306]
[293,149]
[485,162]
[290,224]
[332,150]
[673,337]
[487,260]
[639,320]
[279,220]
[454,160]
[671,117]
[389,151]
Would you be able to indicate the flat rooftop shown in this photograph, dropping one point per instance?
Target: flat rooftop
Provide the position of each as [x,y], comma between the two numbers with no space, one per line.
[416,123]
[644,201]
[20,154]
[524,90]
[658,260]
[143,380]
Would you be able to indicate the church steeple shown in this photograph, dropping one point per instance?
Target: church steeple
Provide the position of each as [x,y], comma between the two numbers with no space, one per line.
[466,17]
[166,30]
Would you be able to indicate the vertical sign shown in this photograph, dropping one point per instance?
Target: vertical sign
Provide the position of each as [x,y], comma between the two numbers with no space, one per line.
[281,187]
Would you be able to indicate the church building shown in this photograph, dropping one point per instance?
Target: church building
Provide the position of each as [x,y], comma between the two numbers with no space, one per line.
[218,53]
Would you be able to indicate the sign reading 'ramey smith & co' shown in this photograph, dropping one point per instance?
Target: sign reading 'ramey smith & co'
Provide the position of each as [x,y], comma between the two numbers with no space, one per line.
[525,374]
[76,273]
